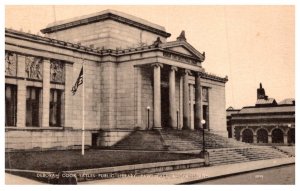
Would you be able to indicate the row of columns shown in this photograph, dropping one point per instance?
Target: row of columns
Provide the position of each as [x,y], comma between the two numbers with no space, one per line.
[285,138]
[255,140]
[172,102]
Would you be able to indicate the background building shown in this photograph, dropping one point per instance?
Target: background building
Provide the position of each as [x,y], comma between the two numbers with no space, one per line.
[268,122]
[133,78]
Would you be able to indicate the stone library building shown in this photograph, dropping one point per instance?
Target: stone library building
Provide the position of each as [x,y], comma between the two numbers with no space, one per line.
[134,79]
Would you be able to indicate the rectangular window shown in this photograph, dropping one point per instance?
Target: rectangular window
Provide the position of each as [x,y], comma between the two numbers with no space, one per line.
[55,108]
[33,106]
[205,94]
[10,105]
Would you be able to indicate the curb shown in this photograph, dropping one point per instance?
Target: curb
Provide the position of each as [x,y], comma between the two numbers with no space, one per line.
[137,169]
[237,173]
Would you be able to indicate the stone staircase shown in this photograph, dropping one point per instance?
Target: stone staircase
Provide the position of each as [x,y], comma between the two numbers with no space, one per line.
[236,155]
[193,140]
[174,140]
[142,140]
[221,150]
[226,156]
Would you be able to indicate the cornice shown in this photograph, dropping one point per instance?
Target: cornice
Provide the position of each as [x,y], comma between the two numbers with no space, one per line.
[103,17]
[213,77]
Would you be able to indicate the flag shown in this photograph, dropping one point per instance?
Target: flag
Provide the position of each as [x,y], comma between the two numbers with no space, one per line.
[78,82]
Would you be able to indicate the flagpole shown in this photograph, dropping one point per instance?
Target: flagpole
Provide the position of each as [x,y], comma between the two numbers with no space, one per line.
[82,143]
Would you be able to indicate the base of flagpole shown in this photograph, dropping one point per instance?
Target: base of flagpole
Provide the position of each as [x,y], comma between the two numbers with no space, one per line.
[82,143]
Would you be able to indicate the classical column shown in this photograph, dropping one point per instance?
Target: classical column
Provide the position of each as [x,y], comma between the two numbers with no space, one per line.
[241,136]
[285,138]
[254,138]
[68,96]
[156,96]
[180,102]
[172,103]
[138,92]
[269,138]
[232,131]
[21,98]
[46,93]
[191,106]
[186,111]
[198,94]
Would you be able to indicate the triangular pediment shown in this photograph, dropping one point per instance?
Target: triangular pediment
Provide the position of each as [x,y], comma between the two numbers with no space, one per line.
[183,47]
[182,50]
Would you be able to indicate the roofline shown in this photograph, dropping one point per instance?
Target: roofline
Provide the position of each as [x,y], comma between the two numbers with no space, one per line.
[213,77]
[106,16]
[55,42]
[233,110]
[268,106]
[76,46]
[105,52]
[49,41]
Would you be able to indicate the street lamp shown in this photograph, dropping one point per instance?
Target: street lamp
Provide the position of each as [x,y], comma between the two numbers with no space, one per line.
[177,119]
[204,154]
[148,112]
[203,144]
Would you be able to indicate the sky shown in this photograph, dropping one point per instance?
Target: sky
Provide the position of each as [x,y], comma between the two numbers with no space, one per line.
[249,44]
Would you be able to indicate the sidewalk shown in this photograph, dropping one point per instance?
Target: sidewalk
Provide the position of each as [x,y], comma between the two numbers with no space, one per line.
[18,180]
[195,174]
[174,177]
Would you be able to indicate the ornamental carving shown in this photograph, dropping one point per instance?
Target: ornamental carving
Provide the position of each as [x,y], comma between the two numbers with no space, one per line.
[10,64]
[179,58]
[57,71]
[33,68]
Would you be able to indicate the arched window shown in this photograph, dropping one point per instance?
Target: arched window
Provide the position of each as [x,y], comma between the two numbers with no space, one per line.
[277,136]
[247,136]
[262,136]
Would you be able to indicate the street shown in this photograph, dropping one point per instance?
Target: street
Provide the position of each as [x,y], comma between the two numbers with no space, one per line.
[277,175]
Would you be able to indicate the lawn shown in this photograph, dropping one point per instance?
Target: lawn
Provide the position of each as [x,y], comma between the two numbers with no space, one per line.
[54,161]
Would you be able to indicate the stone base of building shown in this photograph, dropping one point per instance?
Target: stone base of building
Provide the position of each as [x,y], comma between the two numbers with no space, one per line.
[60,139]
[47,139]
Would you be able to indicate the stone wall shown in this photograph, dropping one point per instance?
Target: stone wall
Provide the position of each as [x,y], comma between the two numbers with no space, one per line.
[108,95]
[125,106]
[92,95]
[108,34]
[45,139]
[217,107]
[22,137]
[146,97]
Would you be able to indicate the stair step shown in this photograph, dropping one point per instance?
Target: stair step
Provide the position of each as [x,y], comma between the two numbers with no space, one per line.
[226,151]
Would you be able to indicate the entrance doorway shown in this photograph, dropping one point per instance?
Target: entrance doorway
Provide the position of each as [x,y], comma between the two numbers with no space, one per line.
[164,106]
[94,139]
